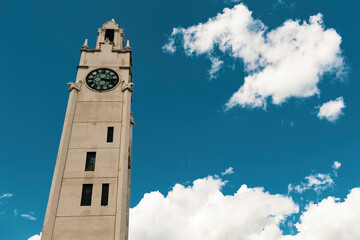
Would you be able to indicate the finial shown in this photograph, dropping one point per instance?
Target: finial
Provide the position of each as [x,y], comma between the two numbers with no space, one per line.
[85,46]
[128,48]
[113,20]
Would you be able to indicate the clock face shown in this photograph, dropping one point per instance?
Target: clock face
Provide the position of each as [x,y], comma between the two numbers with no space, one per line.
[102,79]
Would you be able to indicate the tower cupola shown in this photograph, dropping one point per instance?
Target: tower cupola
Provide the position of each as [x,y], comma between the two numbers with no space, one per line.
[110,33]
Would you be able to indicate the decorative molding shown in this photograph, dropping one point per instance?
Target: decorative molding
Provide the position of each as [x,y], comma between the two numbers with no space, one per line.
[82,66]
[127,86]
[90,50]
[125,67]
[76,86]
[106,41]
[119,51]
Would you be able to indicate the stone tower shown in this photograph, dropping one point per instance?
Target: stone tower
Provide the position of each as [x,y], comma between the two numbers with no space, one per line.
[89,197]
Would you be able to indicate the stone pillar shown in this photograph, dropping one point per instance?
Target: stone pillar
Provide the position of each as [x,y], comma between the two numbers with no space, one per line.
[123,178]
[53,201]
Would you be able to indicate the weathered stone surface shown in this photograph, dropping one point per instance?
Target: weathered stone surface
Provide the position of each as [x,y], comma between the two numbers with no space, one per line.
[88,116]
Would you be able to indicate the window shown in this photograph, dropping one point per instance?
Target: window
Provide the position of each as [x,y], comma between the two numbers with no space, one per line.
[86,195]
[90,161]
[129,158]
[105,194]
[109,33]
[110,134]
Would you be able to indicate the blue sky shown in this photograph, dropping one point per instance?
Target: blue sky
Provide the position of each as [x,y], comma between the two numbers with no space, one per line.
[183,131]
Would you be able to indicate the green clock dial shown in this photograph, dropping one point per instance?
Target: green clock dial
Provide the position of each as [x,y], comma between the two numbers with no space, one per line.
[102,79]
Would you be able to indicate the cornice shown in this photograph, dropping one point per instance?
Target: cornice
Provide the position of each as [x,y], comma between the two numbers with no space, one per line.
[82,66]
[89,50]
[99,50]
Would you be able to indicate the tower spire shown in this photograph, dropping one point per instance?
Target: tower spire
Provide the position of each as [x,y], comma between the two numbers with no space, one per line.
[128,48]
[85,45]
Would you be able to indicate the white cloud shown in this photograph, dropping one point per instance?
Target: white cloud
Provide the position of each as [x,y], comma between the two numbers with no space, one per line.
[29,216]
[285,62]
[215,66]
[317,182]
[331,219]
[228,171]
[336,165]
[169,47]
[332,110]
[202,212]
[6,195]
[35,237]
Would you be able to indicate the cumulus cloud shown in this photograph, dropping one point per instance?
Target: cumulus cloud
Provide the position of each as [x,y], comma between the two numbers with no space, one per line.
[331,219]
[331,110]
[228,171]
[35,237]
[201,211]
[282,63]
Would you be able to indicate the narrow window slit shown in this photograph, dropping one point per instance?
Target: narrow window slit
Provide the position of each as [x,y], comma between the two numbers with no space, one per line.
[86,195]
[110,134]
[105,194]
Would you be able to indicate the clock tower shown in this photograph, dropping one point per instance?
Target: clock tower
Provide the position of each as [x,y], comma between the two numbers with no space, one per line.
[89,197]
